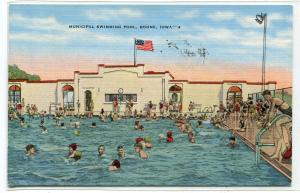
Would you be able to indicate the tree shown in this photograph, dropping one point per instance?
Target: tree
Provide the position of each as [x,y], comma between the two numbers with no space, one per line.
[14,72]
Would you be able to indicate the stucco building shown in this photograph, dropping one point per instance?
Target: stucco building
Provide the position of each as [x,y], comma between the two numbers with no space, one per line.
[95,90]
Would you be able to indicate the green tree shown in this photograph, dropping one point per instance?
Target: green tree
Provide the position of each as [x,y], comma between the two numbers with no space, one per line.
[14,72]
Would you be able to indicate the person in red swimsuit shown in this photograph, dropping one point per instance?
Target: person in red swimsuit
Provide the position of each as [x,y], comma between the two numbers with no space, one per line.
[170,137]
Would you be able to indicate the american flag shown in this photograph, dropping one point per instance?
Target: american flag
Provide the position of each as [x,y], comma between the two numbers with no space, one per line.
[145,45]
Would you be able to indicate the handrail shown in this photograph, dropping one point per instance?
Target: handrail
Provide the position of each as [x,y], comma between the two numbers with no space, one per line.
[258,144]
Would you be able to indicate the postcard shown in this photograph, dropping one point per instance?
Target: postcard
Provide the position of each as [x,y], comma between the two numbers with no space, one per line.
[162,95]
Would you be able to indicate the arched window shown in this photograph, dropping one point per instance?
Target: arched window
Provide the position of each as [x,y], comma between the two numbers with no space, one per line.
[234,94]
[68,97]
[14,94]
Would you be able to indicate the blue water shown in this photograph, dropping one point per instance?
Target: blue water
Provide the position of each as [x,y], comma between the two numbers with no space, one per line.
[208,163]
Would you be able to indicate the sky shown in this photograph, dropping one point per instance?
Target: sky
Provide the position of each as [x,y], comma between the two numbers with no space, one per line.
[41,41]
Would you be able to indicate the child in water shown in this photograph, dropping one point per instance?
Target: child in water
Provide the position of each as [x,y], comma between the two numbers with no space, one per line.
[170,137]
[191,137]
[30,150]
[115,165]
[73,152]
[138,148]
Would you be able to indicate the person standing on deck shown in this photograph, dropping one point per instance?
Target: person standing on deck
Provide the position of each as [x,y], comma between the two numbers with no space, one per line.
[282,132]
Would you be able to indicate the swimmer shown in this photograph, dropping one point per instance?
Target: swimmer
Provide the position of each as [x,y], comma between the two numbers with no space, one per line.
[200,125]
[77,132]
[115,165]
[101,151]
[62,125]
[44,129]
[191,137]
[138,148]
[121,152]
[22,122]
[30,150]
[161,137]
[93,125]
[148,142]
[169,137]
[232,142]
[77,125]
[138,126]
[73,152]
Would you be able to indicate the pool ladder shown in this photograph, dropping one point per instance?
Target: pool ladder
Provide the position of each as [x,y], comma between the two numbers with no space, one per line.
[258,143]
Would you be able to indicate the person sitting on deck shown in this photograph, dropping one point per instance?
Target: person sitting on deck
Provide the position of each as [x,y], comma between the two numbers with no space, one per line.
[282,129]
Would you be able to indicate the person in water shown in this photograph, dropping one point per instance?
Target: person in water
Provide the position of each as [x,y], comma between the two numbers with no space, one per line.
[115,165]
[148,142]
[200,125]
[62,125]
[73,152]
[138,126]
[282,130]
[101,151]
[232,142]
[30,150]
[22,122]
[77,124]
[94,125]
[121,152]
[138,148]
[170,137]
[191,137]
[161,137]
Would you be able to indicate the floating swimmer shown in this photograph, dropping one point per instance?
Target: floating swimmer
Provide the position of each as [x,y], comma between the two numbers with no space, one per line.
[73,152]
[115,165]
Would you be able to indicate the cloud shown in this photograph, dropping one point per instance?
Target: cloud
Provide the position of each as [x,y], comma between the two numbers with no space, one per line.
[108,14]
[222,16]
[46,23]
[249,21]
[30,37]
[188,14]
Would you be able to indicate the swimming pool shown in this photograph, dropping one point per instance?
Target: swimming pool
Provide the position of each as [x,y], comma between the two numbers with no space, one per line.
[209,162]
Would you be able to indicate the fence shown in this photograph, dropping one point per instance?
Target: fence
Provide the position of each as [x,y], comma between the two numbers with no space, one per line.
[283,93]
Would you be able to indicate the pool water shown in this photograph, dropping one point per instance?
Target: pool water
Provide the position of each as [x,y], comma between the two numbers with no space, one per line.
[209,162]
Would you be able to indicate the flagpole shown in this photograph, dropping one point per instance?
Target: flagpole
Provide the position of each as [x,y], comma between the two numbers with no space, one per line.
[134,53]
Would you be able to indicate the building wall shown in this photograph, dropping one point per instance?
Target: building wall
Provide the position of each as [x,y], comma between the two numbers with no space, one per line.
[133,80]
[207,95]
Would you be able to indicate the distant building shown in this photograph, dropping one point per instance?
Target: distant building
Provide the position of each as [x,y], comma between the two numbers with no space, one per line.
[91,91]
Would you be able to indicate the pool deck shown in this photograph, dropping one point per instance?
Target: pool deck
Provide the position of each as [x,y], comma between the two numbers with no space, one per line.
[248,137]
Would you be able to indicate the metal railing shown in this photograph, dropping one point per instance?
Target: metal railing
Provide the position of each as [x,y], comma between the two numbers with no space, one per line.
[283,93]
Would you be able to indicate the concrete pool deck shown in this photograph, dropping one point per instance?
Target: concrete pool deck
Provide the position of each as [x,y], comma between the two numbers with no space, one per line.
[248,137]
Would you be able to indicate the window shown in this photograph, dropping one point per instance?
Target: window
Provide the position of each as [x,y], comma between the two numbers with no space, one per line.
[68,97]
[120,97]
[14,94]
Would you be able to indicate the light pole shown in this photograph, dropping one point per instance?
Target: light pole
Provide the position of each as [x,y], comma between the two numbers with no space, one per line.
[262,18]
